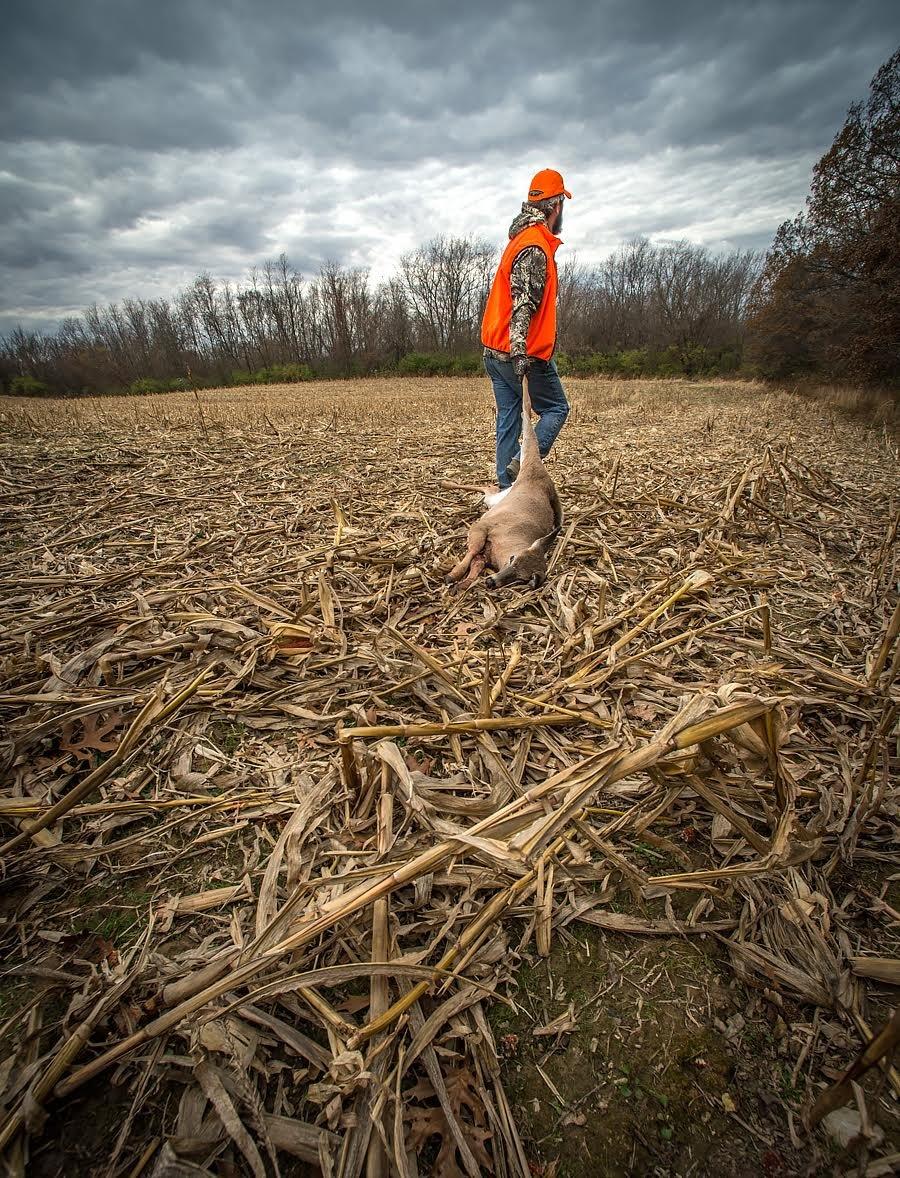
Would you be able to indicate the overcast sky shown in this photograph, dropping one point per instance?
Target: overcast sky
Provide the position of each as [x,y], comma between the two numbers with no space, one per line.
[146,140]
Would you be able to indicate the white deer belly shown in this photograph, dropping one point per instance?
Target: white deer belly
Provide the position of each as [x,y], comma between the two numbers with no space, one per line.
[494,497]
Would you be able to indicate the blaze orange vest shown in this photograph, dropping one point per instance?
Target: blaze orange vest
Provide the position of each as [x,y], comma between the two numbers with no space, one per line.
[498,310]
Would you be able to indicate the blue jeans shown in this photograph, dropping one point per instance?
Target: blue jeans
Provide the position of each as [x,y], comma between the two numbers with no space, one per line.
[547,399]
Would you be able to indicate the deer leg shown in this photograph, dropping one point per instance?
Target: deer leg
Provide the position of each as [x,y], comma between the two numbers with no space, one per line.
[451,485]
[476,568]
[476,542]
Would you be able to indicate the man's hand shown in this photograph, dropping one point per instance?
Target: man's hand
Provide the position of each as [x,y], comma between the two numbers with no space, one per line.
[521,364]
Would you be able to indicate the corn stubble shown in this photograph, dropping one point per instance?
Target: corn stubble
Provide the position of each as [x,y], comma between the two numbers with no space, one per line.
[341,805]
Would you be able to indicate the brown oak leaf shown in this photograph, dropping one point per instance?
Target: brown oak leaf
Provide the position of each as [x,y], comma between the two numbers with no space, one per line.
[426,1122]
[94,736]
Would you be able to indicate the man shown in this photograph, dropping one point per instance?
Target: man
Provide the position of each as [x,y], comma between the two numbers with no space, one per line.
[519,325]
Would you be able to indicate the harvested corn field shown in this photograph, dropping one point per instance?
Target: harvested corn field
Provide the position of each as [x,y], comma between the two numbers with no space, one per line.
[311,865]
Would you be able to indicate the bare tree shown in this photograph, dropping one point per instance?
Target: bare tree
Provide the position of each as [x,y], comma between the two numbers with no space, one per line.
[446,282]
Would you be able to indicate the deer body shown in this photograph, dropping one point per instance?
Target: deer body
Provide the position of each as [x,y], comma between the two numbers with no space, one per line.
[516,533]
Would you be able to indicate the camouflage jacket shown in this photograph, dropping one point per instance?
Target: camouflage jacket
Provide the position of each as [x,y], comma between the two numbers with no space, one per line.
[526,281]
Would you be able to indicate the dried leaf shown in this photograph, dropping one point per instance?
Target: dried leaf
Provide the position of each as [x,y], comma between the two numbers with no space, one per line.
[427,1122]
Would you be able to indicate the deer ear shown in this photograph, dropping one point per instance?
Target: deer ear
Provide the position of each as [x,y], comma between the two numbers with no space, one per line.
[544,543]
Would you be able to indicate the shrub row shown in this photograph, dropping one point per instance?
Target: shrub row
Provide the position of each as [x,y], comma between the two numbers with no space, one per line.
[28,386]
[689,361]
[438,364]
[274,374]
[642,362]
[176,384]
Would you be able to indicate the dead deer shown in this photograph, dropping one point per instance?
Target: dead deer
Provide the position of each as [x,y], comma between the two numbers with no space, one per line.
[516,533]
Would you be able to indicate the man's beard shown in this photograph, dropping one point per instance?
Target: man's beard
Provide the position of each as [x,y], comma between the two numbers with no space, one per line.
[557,225]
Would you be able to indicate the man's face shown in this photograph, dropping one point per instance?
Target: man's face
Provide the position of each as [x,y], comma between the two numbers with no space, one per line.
[556,219]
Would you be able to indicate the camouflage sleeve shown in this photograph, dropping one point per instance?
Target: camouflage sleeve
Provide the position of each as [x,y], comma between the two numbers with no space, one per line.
[527,280]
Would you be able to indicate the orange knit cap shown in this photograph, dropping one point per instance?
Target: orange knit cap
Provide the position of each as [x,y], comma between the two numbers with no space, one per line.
[547,184]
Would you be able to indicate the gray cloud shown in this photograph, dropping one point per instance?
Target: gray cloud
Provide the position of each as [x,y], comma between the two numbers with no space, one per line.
[142,144]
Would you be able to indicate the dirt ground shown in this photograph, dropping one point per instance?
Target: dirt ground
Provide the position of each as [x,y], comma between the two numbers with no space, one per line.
[278,530]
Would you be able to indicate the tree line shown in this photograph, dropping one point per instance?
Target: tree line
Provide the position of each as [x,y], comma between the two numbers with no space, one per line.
[667,309]
[827,302]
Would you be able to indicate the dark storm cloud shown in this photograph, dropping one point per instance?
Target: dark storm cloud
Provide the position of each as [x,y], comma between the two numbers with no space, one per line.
[144,143]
